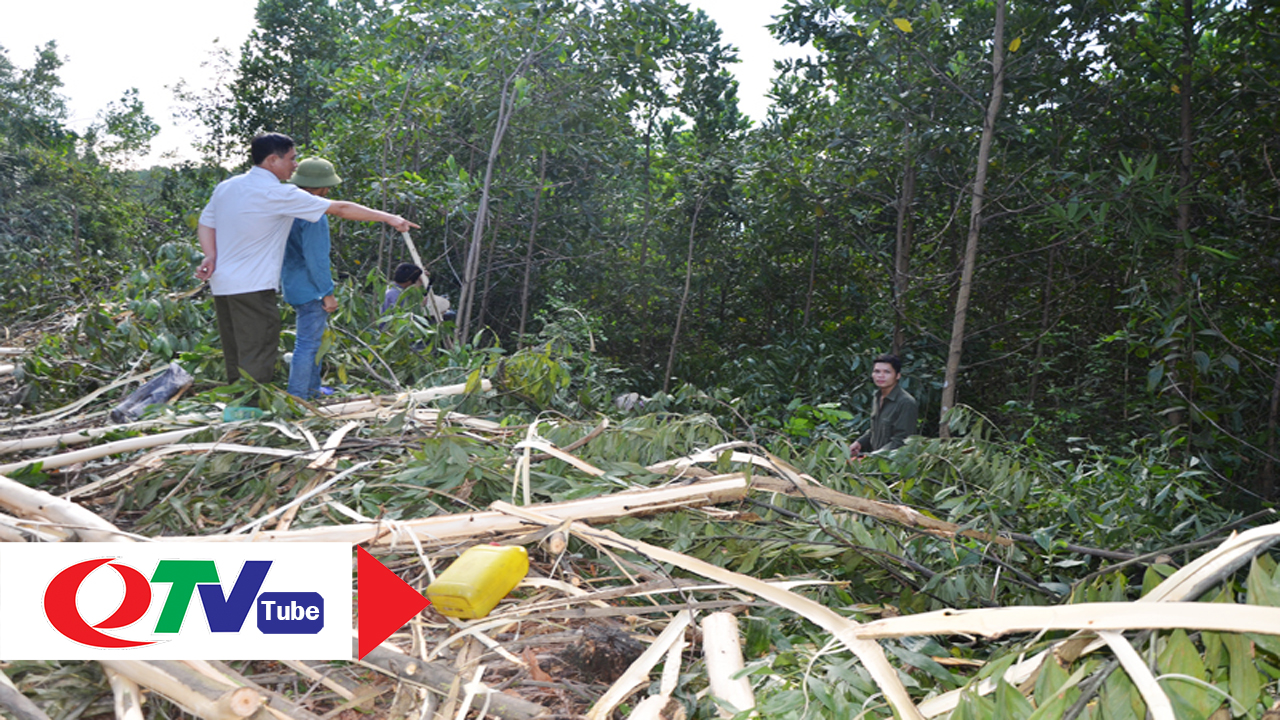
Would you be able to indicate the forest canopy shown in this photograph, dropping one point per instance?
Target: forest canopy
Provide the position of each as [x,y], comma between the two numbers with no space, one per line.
[589,161]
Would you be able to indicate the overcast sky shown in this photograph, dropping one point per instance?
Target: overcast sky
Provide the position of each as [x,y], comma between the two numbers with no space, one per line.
[110,47]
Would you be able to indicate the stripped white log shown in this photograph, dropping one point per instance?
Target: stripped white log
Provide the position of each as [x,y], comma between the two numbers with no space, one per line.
[1234,551]
[9,529]
[433,415]
[637,674]
[201,696]
[341,410]
[19,530]
[152,459]
[660,706]
[1158,703]
[1115,616]
[443,528]
[101,451]
[26,502]
[559,454]
[78,437]
[7,368]
[845,630]
[126,696]
[722,648]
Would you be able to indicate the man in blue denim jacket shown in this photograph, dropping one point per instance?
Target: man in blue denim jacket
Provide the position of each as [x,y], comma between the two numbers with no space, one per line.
[306,280]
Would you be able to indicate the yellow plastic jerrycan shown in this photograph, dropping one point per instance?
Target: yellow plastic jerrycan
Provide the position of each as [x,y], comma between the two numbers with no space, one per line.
[478,579]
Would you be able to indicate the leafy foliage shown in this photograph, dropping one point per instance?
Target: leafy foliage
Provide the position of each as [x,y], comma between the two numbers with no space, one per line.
[1120,380]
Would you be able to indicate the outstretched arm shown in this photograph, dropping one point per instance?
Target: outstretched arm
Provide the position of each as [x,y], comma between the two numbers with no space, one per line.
[209,246]
[356,211]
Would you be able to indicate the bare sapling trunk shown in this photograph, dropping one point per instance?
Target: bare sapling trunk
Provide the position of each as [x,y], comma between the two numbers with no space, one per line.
[813,270]
[488,274]
[902,245]
[1176,378]
[684,298]
[528,252]
[975,222]
[1267,483]
[903,235]
[1046,320]
[471,270]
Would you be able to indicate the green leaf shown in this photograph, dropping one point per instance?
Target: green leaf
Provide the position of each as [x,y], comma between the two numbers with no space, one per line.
[973,706]
[1155,375]
[1261,588]
[1064,693]
[1120,700]
[925,663]
[1009,703]
[1052,676]
[1180,657]
[1246,682]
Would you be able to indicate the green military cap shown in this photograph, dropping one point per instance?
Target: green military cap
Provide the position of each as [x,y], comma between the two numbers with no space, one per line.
[315,173]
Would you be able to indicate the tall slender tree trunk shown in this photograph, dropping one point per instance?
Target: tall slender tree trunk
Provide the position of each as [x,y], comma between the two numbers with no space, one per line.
[488,273]
[684,298]
[648,192]
[471,270]
[1177,378]
[1046,306]
[528,252]
[1267,482]
[975,222]
[813,269]
[903,231]
[902,244]
[382,200]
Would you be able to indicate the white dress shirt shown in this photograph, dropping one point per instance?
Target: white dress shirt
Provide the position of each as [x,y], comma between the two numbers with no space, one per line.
[251,215]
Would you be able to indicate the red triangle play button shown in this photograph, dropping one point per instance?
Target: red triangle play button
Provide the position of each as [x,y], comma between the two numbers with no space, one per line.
[385,601]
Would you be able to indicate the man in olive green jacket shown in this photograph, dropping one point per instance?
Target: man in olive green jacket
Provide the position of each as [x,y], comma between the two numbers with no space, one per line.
[893,410]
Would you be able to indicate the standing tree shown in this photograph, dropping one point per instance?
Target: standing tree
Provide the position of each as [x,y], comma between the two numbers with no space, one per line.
[975,219]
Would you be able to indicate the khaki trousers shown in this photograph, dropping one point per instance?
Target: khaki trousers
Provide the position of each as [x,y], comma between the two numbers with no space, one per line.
[249,325]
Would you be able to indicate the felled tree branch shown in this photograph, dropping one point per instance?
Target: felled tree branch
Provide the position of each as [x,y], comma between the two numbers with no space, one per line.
[17,703]
[439,678]
[446,528]
[28,502]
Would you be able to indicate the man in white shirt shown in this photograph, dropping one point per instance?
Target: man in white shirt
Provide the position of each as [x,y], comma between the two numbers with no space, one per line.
[242,232]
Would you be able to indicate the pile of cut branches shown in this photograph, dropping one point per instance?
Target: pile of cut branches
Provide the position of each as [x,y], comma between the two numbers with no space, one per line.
[676,571]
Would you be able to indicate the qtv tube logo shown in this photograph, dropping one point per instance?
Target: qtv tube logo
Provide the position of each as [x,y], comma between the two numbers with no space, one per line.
[171,601]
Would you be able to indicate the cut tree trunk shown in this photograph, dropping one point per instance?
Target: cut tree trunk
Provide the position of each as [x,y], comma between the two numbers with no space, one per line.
[444,528]
[33,504]
[440,679]
[722,648]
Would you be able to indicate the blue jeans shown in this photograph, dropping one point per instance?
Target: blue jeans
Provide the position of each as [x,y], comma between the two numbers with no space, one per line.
[304,371]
